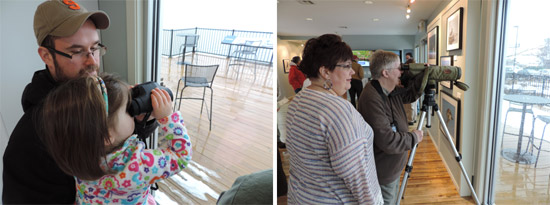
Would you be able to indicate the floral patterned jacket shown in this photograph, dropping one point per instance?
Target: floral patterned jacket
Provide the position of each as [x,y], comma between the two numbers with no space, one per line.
[137,168]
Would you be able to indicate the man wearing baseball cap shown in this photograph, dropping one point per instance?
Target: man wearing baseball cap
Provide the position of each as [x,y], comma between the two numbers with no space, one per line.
[69,45]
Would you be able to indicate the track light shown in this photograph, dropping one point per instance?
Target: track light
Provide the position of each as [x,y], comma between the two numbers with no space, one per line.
[408,9]
[408,16]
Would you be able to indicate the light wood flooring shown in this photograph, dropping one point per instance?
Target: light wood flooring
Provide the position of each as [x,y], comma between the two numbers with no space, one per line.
[515,183]
[241,139]
[429,181]
[520,183]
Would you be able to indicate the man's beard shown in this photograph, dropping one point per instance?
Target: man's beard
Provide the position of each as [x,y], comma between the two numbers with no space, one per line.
[62,77]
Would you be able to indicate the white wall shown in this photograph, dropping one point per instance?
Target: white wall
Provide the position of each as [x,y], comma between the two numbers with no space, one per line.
[3,142]
[373,42]
[469,119]
[385,42]
[18,60]
[116,59]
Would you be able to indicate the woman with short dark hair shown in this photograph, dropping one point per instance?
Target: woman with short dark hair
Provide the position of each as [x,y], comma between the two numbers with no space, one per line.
[330,145]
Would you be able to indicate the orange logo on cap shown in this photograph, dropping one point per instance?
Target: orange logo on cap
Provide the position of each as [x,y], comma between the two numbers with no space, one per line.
[72,5]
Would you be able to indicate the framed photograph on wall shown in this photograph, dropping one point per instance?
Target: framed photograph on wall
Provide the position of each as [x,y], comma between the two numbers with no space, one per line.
[446,61]
[450,110]
[432,46]
[454,30]
[286,65]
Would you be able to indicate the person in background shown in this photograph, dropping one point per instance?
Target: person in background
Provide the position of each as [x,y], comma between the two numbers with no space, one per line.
[410,108]
[356,83]
[329,143]
[381,105]
[409,58]
[296,77]
[110,164]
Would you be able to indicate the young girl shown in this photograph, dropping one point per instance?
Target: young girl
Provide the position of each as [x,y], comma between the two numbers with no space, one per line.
[89,135]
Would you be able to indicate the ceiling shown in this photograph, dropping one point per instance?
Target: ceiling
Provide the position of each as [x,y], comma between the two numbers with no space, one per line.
[352,17]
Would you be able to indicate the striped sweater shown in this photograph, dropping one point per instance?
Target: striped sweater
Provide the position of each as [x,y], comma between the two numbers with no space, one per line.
[331,153]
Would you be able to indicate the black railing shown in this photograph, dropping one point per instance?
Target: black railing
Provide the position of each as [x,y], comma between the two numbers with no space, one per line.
[210,43]
[538,85]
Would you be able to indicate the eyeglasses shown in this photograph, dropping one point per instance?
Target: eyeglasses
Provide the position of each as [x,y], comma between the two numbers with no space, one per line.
[344,66]
[99,49]
[398,68]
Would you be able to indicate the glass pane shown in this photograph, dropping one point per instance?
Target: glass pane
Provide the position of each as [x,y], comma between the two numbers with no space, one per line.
[522,174]
[227,107]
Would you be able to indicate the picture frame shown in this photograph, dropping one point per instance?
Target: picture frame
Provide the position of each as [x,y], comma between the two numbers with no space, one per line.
[433,50]
[446,61]
[454,30]
[450,110]
[286,65]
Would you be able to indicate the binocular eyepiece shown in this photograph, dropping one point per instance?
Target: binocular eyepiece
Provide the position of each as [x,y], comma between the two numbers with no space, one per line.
[141,98]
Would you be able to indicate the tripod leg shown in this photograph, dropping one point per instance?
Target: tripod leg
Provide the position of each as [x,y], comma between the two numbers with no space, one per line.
[457,156]
[408,168]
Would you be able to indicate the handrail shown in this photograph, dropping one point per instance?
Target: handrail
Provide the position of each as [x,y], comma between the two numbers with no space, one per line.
[538,85]
[210,42]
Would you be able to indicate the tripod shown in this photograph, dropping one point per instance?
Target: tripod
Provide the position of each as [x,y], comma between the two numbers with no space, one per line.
[427,105]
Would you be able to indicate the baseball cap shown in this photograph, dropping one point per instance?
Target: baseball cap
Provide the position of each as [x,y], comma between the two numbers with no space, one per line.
[63,18]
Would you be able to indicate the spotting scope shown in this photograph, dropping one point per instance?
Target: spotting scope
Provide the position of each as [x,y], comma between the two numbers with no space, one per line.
[432,74]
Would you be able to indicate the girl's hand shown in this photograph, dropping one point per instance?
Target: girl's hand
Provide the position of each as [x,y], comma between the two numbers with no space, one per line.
[162,104]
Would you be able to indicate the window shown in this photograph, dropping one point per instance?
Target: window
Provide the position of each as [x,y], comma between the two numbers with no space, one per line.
[521,172]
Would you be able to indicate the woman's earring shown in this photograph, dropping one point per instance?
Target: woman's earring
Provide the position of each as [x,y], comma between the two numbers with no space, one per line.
[327,85]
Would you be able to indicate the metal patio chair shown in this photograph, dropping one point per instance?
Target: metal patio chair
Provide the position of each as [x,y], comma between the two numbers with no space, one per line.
[242,53]
[515,107]
[189,40]
[198,76]
[546,120]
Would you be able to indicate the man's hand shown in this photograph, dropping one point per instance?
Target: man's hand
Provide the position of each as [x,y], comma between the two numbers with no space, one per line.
[419,135]
[162,104]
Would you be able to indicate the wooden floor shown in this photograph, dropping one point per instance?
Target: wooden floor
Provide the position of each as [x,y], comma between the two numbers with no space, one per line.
[241,142]
[429,182]
[515,183]
[520,183]
[241,139]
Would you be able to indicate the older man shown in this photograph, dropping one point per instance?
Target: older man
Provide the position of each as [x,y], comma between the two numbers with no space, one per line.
[381,105]
[69,45]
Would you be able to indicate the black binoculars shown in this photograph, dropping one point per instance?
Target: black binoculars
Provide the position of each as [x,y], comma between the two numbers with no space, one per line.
[141,98]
